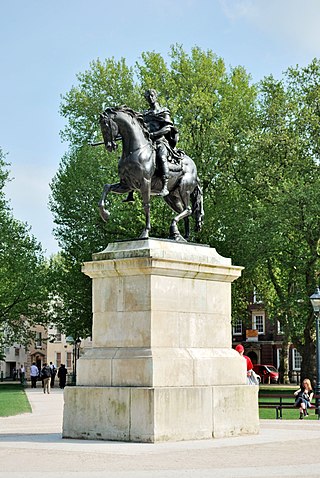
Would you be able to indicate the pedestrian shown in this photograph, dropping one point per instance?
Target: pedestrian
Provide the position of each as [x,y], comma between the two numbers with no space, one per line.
[45,374]
[53,371]
[304,397]
[34,373]
[22,374]
[252,378]
[62,375]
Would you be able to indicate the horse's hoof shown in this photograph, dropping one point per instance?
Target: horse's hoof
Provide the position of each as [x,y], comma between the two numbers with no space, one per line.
[182,239]
[177,238]
[175,235]
[104,215]
[144,234]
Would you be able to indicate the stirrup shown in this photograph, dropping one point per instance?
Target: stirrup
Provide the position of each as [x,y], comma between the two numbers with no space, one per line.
[164,192]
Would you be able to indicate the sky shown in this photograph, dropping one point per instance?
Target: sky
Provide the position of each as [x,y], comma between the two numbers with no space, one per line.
[45,44]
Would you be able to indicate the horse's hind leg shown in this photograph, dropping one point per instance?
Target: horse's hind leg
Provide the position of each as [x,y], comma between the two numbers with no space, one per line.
[174,231]
[186,228]
[117,188]
[179,204]
[145,191]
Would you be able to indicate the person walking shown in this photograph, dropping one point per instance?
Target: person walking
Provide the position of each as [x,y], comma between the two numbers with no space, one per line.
[53,372]
[22,374]
[34,373]
[62,375]
[45,374]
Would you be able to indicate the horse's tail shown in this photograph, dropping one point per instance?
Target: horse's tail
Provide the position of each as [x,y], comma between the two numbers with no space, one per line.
[197,206]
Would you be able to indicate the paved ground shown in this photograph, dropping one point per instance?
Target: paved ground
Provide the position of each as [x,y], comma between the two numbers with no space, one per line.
[31,446]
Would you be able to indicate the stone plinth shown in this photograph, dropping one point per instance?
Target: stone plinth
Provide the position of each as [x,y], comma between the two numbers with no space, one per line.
[161,365]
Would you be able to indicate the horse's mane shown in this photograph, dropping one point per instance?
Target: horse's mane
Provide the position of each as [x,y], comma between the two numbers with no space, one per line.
[134,114]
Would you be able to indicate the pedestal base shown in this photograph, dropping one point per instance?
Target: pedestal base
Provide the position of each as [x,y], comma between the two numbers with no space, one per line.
[157,414]
[161,366]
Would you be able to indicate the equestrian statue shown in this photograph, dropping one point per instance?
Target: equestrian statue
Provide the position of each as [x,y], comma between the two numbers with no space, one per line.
[151,163]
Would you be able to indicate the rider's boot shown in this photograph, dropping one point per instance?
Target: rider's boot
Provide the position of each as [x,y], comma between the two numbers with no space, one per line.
[165,176]
[164,191]
[129,198]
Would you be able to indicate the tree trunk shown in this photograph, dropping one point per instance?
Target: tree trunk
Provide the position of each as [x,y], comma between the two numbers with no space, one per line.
[284,363]
[308,365]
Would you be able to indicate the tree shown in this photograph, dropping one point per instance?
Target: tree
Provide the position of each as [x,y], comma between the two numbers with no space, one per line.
[210,107]
[23,279]
[269,210]
[293,138]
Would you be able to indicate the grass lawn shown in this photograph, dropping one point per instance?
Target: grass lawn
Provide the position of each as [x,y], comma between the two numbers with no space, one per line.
[287,414]
[13,400]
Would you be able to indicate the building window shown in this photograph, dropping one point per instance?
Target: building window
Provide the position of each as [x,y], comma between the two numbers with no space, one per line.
[258,323]
[69,360]
[58,359]
[278,357]
[257,299]
[16,352]
[58,336]
[237,327]
[296,360]
[279,328]
[38,340]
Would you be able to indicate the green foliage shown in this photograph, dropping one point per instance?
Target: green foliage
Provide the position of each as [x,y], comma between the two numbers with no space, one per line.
[104,84]
[267,202]
[23,278]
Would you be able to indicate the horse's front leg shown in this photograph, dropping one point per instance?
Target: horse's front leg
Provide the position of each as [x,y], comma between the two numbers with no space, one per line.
[117,188]
[104,213]
[145,194]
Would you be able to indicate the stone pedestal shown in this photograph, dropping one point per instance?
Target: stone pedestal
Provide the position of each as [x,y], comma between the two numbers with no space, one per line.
[161,365]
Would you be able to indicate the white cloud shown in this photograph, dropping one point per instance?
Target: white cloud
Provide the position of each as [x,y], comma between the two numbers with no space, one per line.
[294,22]
[238,9]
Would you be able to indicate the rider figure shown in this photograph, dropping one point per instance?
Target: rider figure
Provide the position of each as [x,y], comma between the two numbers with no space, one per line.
[162,132]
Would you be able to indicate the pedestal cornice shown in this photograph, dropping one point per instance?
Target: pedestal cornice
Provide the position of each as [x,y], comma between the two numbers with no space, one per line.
[161,257]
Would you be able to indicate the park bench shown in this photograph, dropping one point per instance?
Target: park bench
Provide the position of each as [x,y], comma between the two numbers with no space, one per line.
[283,401]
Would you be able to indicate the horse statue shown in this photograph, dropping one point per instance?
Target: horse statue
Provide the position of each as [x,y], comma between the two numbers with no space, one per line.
[137,171]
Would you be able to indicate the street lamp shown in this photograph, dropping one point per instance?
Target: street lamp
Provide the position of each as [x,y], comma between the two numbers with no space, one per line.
[315,301]
[75,355]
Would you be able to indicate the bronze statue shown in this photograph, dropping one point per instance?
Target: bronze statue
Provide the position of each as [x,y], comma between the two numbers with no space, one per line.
[165,137]
[151,164]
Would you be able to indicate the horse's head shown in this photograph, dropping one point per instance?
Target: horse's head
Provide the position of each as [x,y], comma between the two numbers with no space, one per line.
[109,130]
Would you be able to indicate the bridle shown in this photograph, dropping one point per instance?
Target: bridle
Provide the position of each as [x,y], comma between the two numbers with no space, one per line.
[107,121]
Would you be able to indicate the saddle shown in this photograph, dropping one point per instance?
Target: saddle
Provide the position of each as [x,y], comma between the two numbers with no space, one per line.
[174,157]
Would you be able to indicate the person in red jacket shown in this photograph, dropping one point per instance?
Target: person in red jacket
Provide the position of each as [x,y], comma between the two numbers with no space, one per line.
[240,349]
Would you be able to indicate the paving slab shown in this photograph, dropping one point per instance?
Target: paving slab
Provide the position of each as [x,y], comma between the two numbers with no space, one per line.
[31,445]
